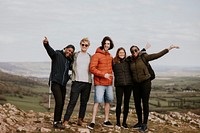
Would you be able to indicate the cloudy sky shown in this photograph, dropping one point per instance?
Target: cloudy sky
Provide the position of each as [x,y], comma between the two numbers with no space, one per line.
[24,23]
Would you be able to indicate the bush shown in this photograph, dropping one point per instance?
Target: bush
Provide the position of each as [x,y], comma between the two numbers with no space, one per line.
[2,98]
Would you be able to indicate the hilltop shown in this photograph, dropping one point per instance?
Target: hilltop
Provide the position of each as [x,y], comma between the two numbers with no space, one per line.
[24,100]
[13,119]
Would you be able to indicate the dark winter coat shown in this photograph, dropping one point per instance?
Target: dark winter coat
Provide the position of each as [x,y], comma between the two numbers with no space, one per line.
[122,74]
[59,66]
[138,68]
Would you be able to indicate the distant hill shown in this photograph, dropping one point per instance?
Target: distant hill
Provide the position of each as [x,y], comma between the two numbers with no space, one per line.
[31,69]
[24,92]
[18,80]
[179,71]
[42,69]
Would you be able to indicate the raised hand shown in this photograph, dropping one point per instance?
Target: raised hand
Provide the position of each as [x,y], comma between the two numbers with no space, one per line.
[45,41]
[148,45]
[173,46]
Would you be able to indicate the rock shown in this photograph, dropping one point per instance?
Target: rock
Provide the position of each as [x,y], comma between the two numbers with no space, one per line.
[20,129]
[45,130]
[13,119]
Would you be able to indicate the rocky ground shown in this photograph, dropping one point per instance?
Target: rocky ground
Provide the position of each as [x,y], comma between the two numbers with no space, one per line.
[13,119]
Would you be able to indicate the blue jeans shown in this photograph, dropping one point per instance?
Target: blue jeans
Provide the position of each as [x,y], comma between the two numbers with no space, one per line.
[103,94]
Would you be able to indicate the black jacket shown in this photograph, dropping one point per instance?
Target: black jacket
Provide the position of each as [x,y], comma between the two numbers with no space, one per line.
[122,74]
[60,66]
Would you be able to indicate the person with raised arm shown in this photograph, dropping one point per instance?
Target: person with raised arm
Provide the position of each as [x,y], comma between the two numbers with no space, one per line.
[59,76]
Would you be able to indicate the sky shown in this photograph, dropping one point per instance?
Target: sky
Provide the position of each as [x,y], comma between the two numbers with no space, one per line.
[24,23]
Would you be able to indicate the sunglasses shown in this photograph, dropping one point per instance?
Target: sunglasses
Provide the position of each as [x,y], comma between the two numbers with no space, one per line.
[86,45]
[134,51]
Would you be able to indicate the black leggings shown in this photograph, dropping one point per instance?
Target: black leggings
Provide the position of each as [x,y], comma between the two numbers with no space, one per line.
[141,93]
[59,93]
[120,91]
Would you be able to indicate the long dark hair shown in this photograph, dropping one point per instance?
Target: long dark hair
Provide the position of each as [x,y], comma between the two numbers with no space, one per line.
[104,40]
[116,58]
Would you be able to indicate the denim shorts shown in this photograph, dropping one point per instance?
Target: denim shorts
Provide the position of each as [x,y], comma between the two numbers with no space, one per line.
[103,94]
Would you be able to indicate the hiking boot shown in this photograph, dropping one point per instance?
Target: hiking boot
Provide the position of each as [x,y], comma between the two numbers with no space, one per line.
[107,124]
[58,125]
[79,122]
[125,126]
[143,128]
[66,124]
[137,126]
[117,127]
[91,126]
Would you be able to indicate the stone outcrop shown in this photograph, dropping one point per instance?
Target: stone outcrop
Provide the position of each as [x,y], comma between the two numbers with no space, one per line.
[16,120]
[13,119]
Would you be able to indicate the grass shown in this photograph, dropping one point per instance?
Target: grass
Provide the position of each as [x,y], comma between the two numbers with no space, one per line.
[26,103]
[30,94]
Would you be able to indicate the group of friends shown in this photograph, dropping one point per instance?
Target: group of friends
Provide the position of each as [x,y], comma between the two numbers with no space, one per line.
[129,73]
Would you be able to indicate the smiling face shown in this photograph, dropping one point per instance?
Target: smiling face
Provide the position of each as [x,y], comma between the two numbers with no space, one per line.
[106,45]
[135,51]
[68,52]
[84,46]
[121,54]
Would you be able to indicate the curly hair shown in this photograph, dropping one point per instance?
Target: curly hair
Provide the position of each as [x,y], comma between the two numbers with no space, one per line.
[107,38]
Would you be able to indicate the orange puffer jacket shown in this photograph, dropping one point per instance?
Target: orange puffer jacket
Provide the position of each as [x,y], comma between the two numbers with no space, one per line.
[100,64]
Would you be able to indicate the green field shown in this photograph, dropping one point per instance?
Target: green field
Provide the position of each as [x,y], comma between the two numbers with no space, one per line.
[27,103]
[168,93]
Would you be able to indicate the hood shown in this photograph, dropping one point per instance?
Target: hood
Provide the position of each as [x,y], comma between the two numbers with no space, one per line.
[98,50]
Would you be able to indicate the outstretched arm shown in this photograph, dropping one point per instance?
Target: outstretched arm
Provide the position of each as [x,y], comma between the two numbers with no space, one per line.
[161,53]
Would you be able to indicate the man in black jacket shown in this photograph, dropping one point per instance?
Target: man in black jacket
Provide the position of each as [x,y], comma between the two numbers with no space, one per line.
[60,65]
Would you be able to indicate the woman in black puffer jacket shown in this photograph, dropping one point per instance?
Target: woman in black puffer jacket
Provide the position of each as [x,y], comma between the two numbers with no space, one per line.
[123,84]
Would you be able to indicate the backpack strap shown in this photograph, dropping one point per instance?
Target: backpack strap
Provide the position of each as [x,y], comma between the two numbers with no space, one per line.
[151,71]
[144,59]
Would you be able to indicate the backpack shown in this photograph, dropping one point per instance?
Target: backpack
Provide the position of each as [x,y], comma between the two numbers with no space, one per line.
[151,71]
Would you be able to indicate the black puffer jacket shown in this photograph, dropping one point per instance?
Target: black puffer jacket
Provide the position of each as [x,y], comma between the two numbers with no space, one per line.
[60,66]
[122,74]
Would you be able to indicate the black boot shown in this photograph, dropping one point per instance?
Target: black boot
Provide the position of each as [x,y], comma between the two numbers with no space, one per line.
[58,125]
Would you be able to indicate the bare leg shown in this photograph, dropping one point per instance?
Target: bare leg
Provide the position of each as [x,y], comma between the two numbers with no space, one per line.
[95,110]
[107,109]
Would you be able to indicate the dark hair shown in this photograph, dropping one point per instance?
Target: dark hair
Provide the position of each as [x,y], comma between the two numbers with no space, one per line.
[134,46]
[116,58]
[70,46]
[104,40]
